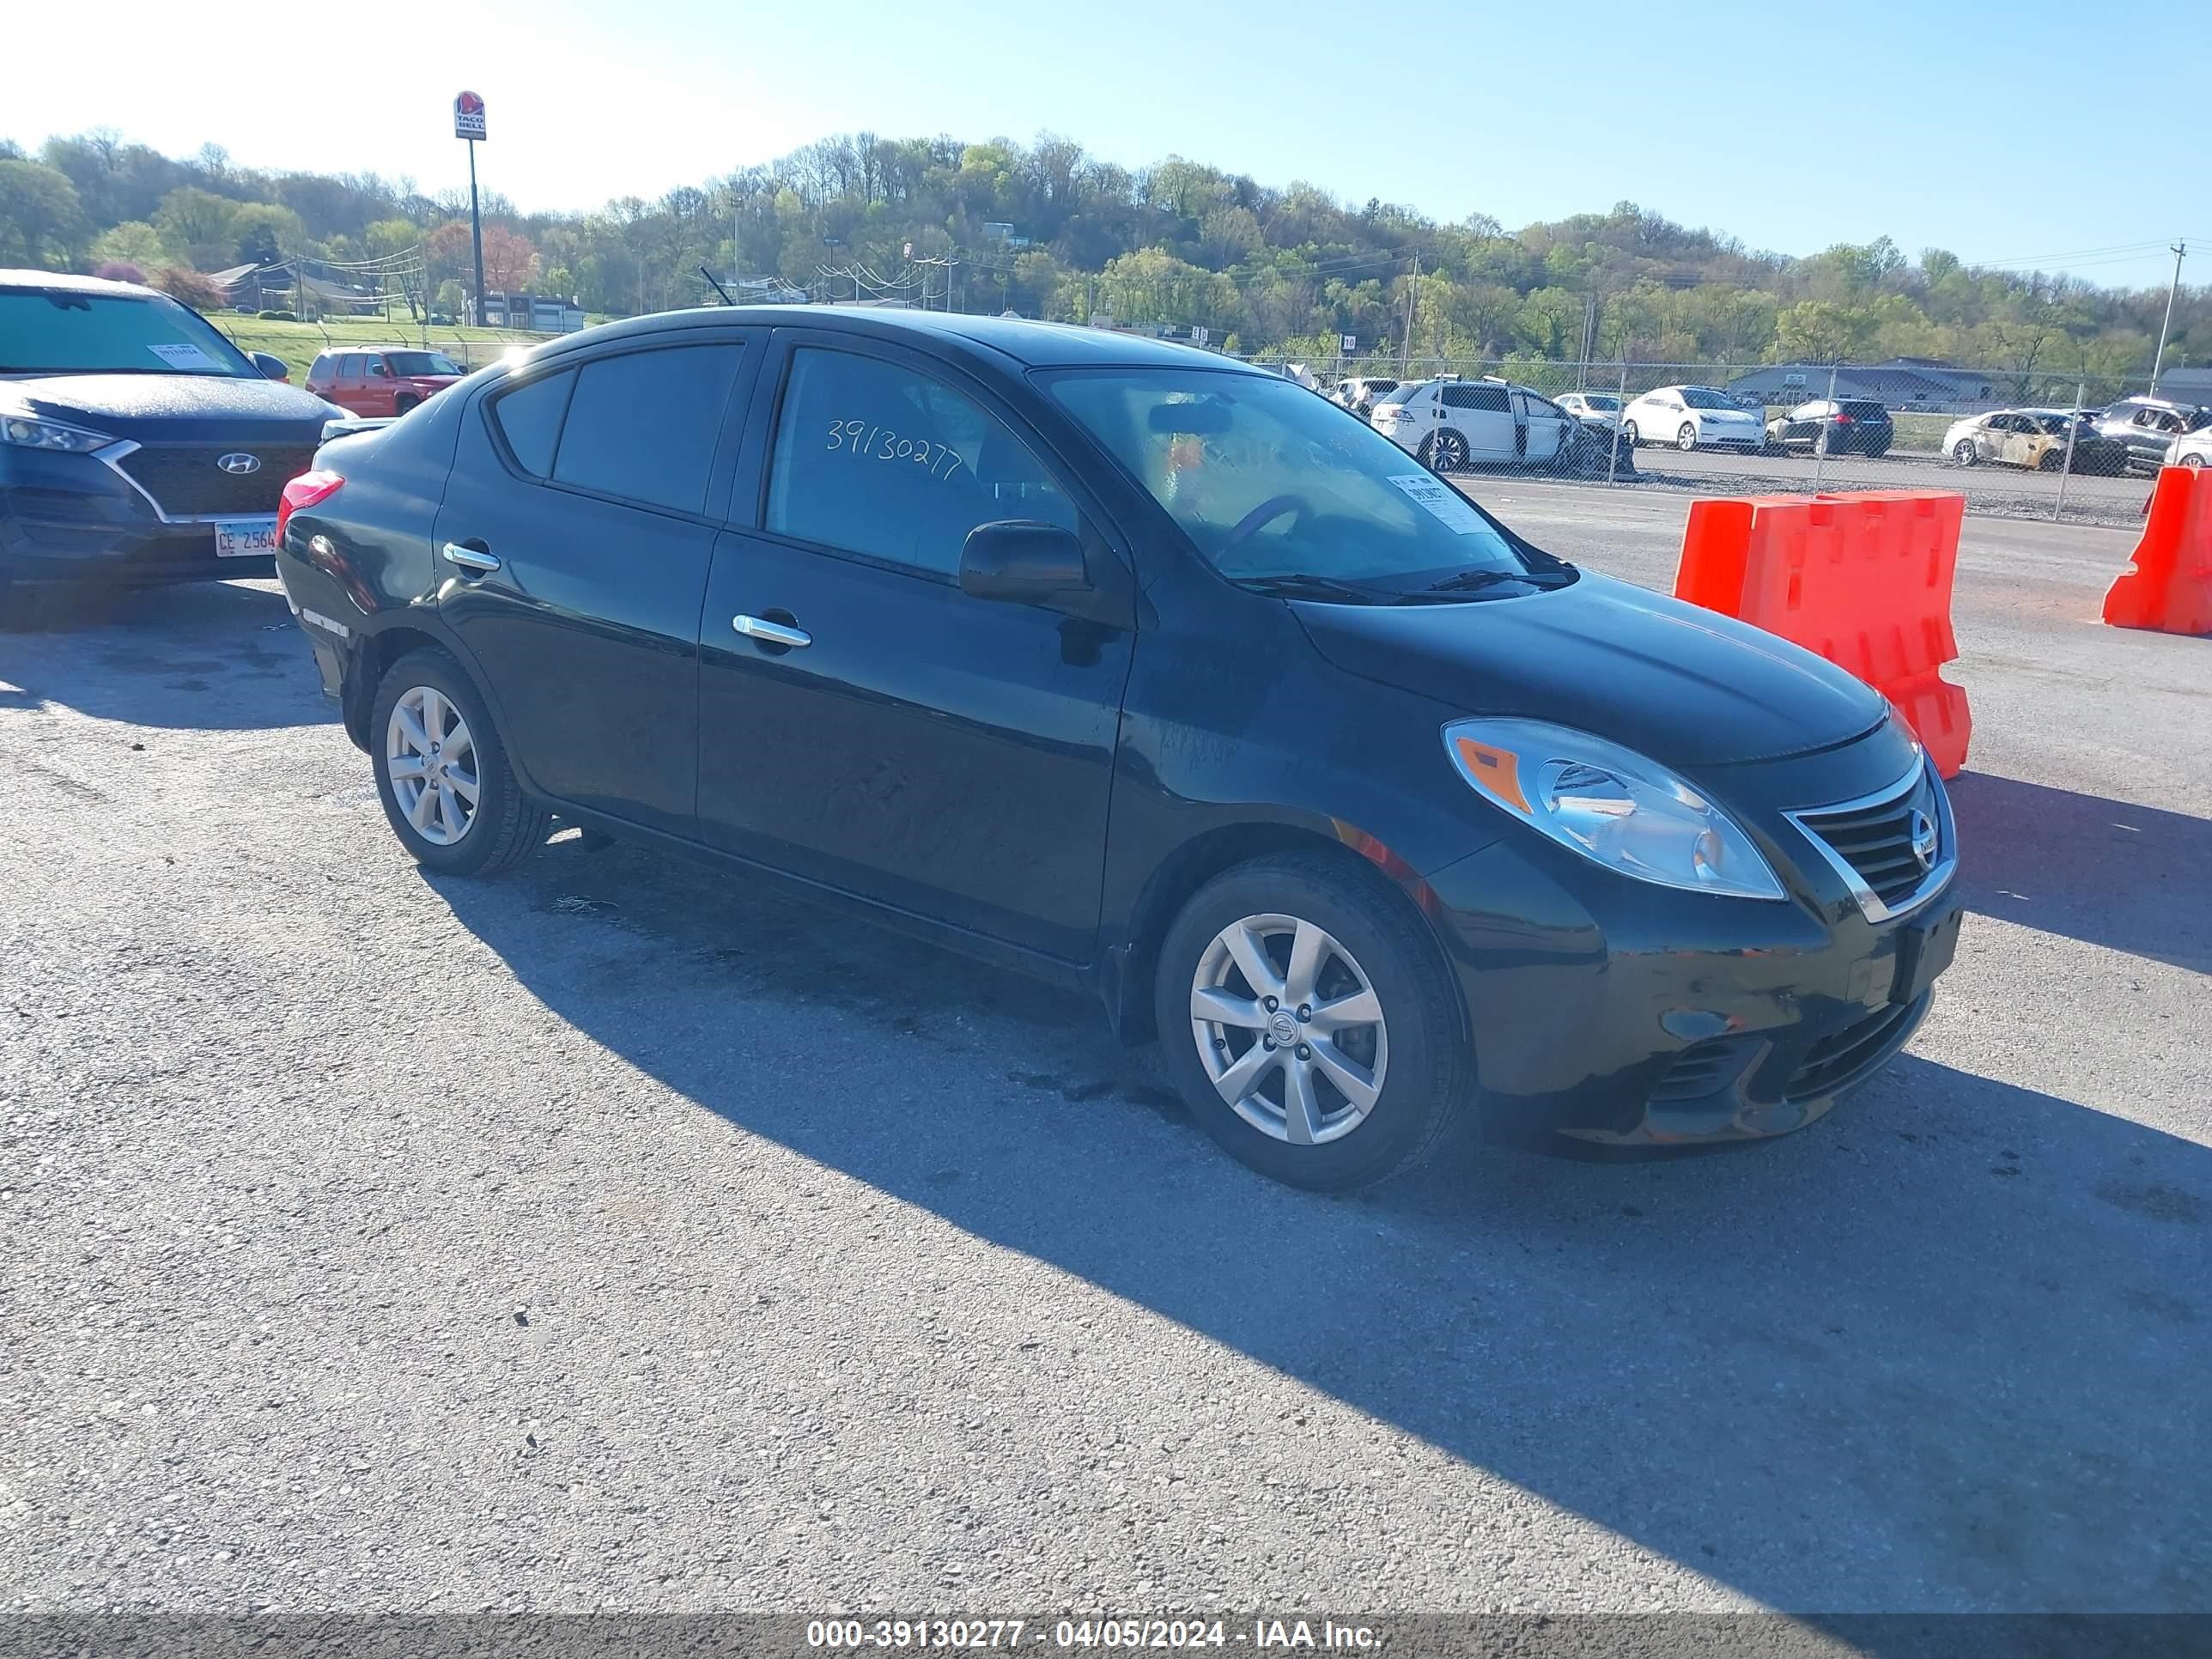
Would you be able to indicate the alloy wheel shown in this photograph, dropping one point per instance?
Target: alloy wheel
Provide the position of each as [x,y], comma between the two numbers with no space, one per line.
[431,760]
[1687,439]
[1289,1029]
[1451,452]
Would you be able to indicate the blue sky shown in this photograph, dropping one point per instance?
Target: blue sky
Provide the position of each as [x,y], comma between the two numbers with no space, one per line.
[2019,133]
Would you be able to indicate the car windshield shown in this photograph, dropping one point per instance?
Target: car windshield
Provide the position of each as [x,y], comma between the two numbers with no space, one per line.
[55,331]
[422,363]
[1272,485]
[1600,400]
[1698,397]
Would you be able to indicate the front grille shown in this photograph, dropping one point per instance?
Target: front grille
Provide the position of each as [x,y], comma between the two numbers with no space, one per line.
[1703,1068]
[186,482]
[1876,841]
[1841,1057]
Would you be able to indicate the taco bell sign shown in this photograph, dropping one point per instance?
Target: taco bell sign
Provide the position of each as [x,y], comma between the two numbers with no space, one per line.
[468,116]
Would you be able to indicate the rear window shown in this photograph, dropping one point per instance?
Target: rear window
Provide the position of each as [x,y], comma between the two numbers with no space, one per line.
[1864,411]
[1475,397]
[320,368]
[644,426]
[1402,394]
[529,418]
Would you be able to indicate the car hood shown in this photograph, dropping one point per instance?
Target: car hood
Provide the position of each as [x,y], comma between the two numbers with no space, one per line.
[1686,686]
[172,408]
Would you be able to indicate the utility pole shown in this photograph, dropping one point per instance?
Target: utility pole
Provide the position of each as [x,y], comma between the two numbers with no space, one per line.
[2159,361]
[1413,299]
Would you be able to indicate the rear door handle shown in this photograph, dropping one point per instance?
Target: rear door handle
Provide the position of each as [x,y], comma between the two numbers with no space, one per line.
[469,558]
[771,633]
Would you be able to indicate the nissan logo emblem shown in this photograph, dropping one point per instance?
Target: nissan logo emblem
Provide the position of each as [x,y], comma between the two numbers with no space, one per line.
[238,462]
[1923,840]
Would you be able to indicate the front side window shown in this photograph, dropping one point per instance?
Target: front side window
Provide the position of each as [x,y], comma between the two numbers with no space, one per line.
[875,458]
[57,331]
[643,426]
[1271,485]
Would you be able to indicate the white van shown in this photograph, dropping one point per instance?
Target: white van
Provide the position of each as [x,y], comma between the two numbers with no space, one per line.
[1455,423]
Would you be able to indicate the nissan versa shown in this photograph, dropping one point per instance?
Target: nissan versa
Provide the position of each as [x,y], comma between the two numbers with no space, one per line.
[136,444]
[1122,664]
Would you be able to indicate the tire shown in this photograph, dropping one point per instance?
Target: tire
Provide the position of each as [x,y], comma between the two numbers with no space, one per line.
[1964,452]
[2194,463]
[1687,439]
[1821,446]
[502,827]
[1425,1097]
[400,405]
[1628,435]
[1447,452]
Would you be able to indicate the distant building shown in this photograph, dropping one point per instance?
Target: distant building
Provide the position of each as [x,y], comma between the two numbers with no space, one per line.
[538,313]
[2186,386]
[1900,383]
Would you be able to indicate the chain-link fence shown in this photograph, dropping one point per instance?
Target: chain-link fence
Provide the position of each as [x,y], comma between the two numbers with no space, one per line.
[2017,442]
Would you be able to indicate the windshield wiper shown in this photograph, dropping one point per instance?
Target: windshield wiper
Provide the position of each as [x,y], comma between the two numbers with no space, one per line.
[1303,586]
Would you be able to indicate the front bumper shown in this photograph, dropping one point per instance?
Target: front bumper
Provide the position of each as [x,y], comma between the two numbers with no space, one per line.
[69,520]
[1615,1011]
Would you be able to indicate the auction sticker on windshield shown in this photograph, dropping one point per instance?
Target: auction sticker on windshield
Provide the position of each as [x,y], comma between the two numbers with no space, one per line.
[245,538]
[1441,499]
[182,353]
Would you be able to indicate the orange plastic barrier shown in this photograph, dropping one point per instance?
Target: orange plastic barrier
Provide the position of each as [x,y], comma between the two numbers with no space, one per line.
[1864,580]
[2168,587]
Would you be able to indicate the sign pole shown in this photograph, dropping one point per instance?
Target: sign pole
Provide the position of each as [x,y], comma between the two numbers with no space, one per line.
[476,232]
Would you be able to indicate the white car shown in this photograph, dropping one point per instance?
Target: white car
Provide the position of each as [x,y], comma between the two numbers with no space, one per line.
[1454,424]
[2193,449]
[1693,417]
[1358,395]
[1600,409]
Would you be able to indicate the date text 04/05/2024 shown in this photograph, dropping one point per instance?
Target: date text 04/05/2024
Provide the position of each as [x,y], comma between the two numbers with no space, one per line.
[1125,1633]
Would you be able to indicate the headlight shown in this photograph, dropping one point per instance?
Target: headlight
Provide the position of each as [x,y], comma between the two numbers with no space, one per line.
[29,433]
[1610,805]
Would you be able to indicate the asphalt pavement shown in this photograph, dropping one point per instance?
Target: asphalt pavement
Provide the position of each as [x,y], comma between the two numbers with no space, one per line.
[612,1236]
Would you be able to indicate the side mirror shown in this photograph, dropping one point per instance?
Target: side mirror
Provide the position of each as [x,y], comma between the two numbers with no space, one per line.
[1023,562]
[271,368]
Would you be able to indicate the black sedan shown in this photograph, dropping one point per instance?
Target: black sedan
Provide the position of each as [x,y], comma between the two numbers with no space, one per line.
[1842,426]
[138,445]
[1127,666]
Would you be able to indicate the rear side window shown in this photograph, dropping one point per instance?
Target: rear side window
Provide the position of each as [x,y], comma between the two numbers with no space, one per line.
[529,418]
[1475,397]
[644,426]
[349,366]
[881,460]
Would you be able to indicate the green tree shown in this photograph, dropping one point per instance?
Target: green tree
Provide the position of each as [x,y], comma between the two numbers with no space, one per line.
[41,221]
[197,225]
[133,242]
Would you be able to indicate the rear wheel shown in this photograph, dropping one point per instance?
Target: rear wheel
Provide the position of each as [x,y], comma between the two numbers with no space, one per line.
[1447,452]
[443,776]
[1628,435]
[1687,439]
[1310,1023]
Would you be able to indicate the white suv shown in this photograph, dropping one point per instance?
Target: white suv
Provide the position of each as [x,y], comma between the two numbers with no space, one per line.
[1692,417]
[1454,424]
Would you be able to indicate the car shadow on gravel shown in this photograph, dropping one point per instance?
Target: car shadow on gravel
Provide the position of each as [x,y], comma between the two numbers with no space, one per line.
[207,656]
[1918,1356]
[2134,878]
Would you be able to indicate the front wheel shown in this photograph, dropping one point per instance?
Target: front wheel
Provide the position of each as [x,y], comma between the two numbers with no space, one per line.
[1964,452]
[442,773]
[1311,1025]
[2194,463]
[401,405]
[1687,439]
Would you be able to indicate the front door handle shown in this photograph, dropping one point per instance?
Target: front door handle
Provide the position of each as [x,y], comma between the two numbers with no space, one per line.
[469,558]
[771,633]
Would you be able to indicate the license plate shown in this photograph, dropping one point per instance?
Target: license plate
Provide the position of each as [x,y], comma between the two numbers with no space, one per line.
[1924,949]
[245,538]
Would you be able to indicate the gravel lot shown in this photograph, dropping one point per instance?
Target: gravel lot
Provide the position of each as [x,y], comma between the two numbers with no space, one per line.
[610,1236]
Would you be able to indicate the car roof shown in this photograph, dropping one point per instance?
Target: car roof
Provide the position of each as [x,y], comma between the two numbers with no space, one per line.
[62,282]
[1028,344]
[347,347]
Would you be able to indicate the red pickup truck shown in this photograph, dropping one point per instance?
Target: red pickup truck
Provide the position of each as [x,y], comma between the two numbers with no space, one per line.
[381,380]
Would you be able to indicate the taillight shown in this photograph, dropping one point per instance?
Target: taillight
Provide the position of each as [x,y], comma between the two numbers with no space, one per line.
[1842,420]
[306,490]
